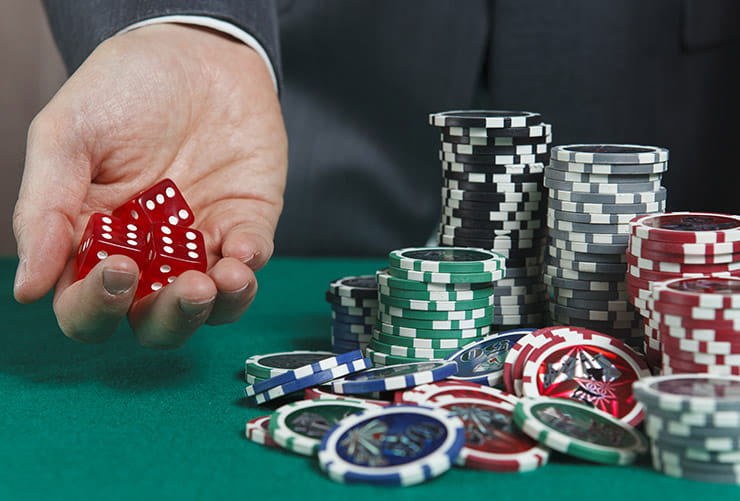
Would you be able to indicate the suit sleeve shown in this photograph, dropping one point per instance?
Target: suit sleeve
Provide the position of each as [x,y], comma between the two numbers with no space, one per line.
[80,25]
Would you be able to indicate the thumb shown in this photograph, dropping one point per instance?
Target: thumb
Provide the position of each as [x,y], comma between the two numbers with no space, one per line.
[56,177]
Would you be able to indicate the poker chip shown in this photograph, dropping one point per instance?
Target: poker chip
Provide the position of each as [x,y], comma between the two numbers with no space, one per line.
[579,430]
[588,367]
[387,280]
[435,296]
[381,359]
[688,227]
[274,364]
[491,197]
[412,332]
[486,140]
[701,393]
[314,393]
[258,430]
[395,377]
[408,351]
[446,260]
[363,448]
[300,426]
[492,441]
[532,131]
[610,154]
[427,394]
[413,342]
[303,371]
[608,169]
[606,207]
[483,361]
[354,310]
[314,379]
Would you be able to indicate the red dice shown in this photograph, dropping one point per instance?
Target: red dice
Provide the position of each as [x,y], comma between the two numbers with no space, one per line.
[106,235]
[152,229]
[163,202]
[172,250]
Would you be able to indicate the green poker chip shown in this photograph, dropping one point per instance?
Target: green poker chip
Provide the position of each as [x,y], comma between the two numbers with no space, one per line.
[436,315]
[381,359]
[574,428]
[446,260]
[422,333]
[300,426]
[420,305]
[443,325]
[415,342]
[405,351]
[462,295]
[446,278]
[274,364]
[386,279]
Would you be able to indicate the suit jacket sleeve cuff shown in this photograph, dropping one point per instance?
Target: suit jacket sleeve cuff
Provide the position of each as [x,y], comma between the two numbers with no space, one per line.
[216,24]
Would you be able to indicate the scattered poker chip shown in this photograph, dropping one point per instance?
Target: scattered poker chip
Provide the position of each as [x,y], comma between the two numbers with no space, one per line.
[303,371]
[274,364]
[483,361]
[688,227]
[314,393]
[364,286]
[300,426]
[427,394]
[492,441]
[364,448]
[588,367]
[517,354]
[395,377]
[258,430]
[314,379]
[610,154]
[381,359]
[578,430]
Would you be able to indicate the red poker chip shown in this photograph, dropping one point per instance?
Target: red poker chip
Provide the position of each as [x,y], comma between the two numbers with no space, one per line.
[492,441]
[521,350]
[679,345]
[588,367]
[684,367]
[640,252]
[687,227]
[659,276]
[681,268]
[696,312]
[706,292]
[638,282]
[691,323]
[258,430]
[636,245]
[426,394]
[707,335]
[707,359]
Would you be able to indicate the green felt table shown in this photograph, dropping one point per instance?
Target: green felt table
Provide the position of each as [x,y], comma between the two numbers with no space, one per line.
[116,421]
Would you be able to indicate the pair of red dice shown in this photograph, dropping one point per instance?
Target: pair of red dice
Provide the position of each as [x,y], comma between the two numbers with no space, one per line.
[152,229]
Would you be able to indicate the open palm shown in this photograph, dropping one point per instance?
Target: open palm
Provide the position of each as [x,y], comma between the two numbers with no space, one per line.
[162,101]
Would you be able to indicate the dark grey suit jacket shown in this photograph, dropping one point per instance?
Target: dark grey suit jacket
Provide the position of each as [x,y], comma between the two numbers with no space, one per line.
[360,76]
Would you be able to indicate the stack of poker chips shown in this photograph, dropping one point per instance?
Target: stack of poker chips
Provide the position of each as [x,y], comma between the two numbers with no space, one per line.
[693,421]
[492,198]
[594,190]
[432,301]
[698,324]
[354,309]
[678,245]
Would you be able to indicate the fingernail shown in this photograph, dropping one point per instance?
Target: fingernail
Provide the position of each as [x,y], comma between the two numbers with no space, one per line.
[249,259]
[20,274]
[118,282]
[194,308]
[237,292]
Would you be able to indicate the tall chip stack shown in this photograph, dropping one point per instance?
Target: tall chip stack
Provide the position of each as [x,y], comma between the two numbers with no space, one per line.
[354,305]
[594,190]
[432,301]
[492,198]
[680,245]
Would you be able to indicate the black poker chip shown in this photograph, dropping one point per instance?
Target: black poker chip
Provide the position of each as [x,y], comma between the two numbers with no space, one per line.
[484,210]
[495,188]
[486,119]
[487,177]
[493,141]
[539,130]
[492,197]
[494,159]
[514,149]
[536,168]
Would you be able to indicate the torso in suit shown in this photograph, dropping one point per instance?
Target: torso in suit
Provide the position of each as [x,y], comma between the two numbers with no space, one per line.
[360,77]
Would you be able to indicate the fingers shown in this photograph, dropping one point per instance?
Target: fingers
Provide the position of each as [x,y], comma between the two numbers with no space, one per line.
[90,310]
[50,198]
[237,287]
[166,319]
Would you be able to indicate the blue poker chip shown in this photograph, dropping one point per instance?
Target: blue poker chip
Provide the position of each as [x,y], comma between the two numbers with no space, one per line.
[354,311]
[301,372]
[395,377]
[313,379]
[354,319]
[482,361]
[394,445]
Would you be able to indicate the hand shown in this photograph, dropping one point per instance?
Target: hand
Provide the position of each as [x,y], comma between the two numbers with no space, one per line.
[160,101]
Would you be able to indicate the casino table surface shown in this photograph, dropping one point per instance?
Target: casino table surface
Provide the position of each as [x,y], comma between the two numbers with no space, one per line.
[116,421]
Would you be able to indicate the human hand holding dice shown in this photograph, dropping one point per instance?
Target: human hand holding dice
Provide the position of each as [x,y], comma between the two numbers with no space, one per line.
[152,228]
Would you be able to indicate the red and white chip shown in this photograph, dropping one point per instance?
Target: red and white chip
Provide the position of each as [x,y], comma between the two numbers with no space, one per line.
[258,430]
[687,227]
